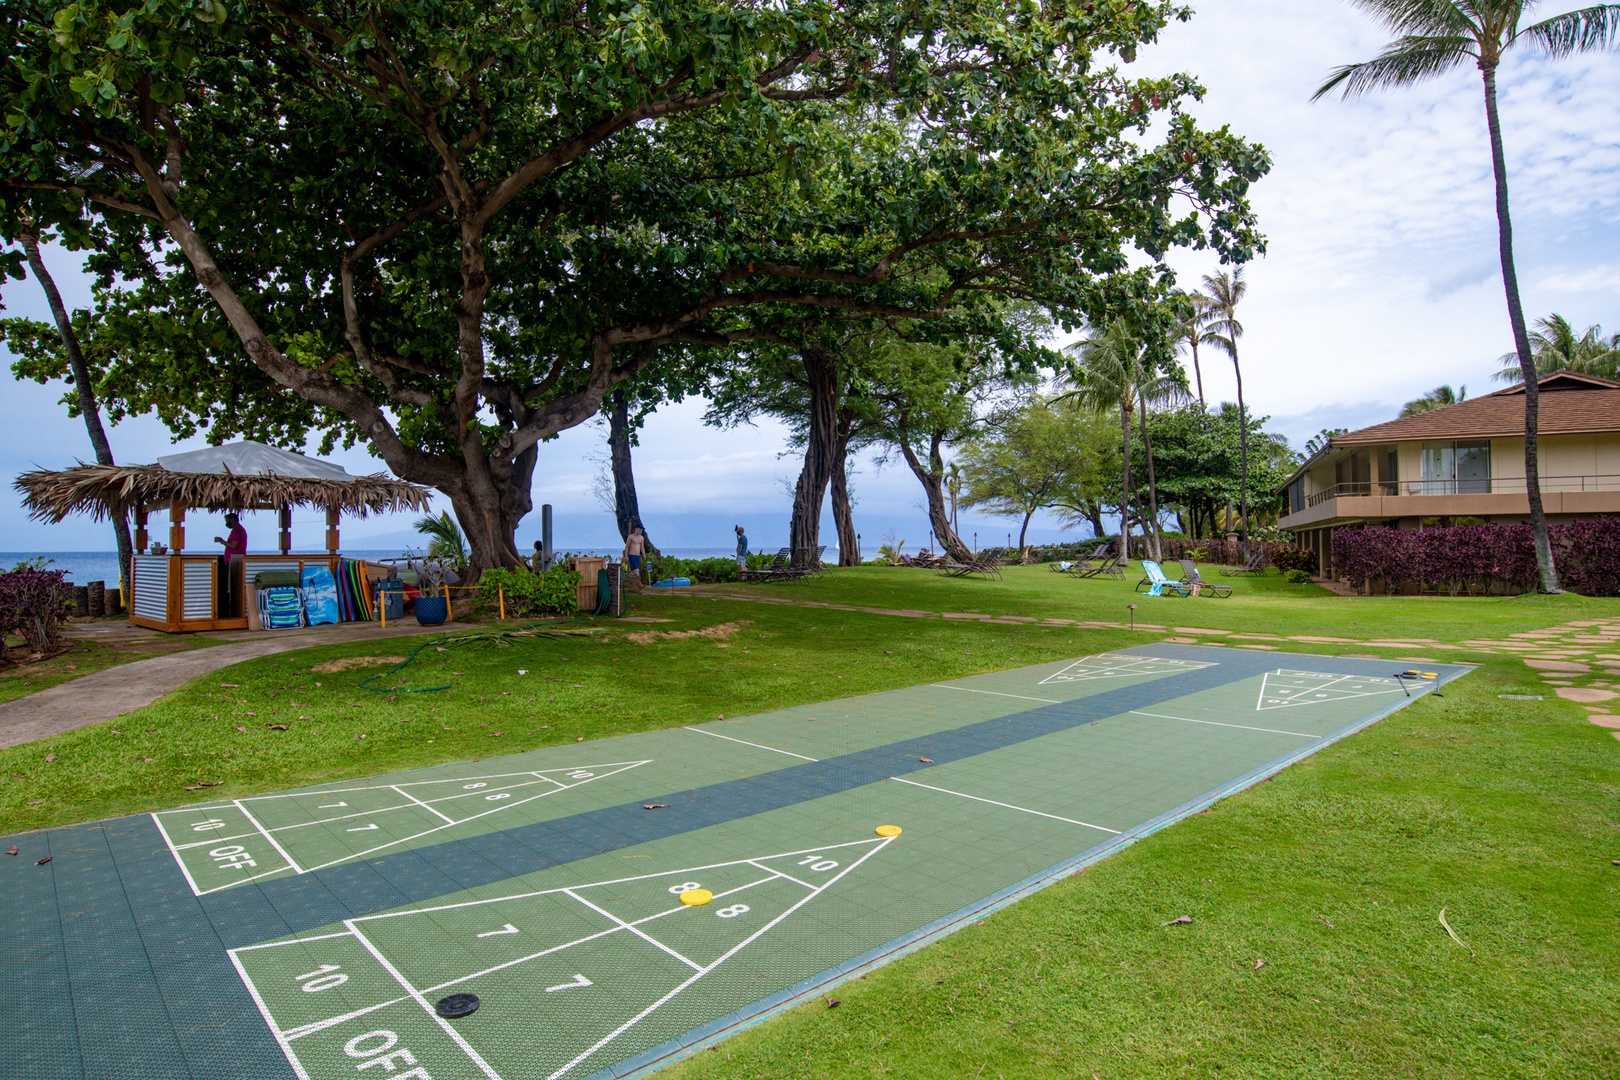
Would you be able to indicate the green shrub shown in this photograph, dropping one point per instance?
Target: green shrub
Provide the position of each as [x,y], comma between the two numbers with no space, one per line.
[1291,558]
[1297,577]
[702,571]
[529,595]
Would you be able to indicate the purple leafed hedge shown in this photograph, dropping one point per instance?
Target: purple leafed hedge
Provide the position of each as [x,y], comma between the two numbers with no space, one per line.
[32,604]
[1480,558]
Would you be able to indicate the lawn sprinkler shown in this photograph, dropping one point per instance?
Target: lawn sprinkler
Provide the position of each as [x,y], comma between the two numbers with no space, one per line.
[1132,608]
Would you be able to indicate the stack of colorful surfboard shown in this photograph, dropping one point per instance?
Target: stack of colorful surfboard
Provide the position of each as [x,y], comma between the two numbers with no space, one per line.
[354,592]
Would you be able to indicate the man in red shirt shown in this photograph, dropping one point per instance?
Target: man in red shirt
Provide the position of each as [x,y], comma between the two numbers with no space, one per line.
[235,547]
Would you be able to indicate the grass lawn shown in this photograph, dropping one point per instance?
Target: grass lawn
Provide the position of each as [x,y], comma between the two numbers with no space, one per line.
[1505,813]
[87,656]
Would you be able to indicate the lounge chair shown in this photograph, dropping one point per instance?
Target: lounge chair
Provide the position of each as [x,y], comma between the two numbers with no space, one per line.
[1108,564]
[780,569]
[1157,583]
[1256,564]
[1200,587]
[983,563]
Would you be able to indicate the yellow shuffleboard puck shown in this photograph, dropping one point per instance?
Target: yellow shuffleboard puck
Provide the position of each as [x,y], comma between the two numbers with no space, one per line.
[888,830]
[696,897]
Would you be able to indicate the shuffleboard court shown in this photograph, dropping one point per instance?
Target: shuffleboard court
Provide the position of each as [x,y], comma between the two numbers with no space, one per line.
[614,905]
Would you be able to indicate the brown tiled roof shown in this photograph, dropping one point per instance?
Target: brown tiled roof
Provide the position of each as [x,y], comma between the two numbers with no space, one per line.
[1570,405]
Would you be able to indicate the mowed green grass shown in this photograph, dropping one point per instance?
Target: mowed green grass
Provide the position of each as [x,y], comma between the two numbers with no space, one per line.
[219,729]
[1505,813]
[1257,605]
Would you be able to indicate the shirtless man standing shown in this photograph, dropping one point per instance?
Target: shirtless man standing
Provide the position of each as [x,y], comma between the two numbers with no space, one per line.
[635,551]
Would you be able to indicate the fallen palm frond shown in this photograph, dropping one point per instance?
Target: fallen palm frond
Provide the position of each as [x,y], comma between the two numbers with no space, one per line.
[1453,933]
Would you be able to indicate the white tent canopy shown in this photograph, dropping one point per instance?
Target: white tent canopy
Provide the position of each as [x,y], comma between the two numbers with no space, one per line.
[249,458]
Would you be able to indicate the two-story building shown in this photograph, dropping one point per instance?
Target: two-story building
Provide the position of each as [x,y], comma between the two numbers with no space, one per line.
[1463,461]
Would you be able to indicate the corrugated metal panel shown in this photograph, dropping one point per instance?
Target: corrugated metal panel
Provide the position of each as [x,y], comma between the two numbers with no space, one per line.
[151,588]
[198,596]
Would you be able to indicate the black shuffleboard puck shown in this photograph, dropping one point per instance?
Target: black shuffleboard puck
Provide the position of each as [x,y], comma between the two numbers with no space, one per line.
[456,1006]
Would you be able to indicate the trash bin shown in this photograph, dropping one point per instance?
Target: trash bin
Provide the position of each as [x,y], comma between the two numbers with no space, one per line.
[391,598]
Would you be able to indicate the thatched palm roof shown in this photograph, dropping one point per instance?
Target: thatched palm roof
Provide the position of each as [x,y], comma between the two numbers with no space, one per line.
[52,495]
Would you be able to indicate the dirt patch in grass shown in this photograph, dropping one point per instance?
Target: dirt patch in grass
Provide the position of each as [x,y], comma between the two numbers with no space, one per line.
[718,632]
[349,663]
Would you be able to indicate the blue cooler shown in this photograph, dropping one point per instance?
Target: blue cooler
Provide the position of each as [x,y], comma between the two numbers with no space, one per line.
[391,598]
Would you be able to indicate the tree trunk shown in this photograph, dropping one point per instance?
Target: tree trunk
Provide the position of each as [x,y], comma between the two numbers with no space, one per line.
[1126,503]
[1094,515]
[1023,532]
[1154,540]
[849,553]
[89,408]
[1546,571]
[1243,456]
[1197,373]
[932,478]
[820,453]
[626,508]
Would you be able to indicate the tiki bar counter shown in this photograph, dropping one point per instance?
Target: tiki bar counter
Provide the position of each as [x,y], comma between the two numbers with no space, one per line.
[174,589]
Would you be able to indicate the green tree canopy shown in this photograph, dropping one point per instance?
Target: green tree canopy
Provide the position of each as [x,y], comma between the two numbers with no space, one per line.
[451,230]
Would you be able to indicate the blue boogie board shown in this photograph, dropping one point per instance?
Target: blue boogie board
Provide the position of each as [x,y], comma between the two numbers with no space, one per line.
[320,595]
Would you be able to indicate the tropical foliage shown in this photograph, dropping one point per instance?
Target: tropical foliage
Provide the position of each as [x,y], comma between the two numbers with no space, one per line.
[1479,558]
[1437,398]
[1557,347]
[1437,36]
[452,230]
[445,541]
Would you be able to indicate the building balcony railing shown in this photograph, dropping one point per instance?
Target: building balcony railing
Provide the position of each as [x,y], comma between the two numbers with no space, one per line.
[1512,485]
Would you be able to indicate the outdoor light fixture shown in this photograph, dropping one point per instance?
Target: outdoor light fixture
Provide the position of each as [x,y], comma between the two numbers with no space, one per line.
[1132,608]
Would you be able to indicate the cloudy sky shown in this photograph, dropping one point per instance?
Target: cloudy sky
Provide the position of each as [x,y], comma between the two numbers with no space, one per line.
[1380,281]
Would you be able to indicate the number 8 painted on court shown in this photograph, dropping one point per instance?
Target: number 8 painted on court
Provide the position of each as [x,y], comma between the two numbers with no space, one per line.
[686,886]
[733,911]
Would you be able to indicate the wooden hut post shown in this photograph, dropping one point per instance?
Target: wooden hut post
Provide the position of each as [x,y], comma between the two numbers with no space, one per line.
[177,527]
[284,515]
[332,531]
[140,529]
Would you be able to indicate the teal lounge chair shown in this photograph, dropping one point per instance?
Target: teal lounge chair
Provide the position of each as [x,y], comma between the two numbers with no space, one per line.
[1157,583]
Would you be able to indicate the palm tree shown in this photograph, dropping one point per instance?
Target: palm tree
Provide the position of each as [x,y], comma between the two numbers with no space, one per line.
[445,540]
[1112,374]
[1222,293]
[1438,398]
[1557,347]
[1436,36]
[1187,332]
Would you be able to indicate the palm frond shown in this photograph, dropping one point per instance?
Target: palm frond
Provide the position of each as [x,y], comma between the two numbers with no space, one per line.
[1590,29]
[1425,17]
[1405,61]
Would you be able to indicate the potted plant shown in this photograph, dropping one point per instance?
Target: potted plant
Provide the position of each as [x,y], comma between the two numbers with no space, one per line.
[434,576]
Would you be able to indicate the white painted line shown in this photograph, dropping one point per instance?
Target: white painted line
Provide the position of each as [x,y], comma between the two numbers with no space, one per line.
[523,959]
[995,693]
[323,792]
[273,842]
[609,881]
[427,1006]
[425,806]
[1009,806]
[231,884]
[648,938]
[728,954]
[755,745]
[473,817]
[1216,723]
[297,941]
[778,873]
[205,843]
[269,1021]
[185,870]
[322,1025]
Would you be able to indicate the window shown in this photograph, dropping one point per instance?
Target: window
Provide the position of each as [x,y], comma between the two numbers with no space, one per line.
[1457,468]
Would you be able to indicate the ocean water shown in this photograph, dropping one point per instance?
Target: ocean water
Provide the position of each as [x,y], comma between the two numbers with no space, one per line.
[86,566]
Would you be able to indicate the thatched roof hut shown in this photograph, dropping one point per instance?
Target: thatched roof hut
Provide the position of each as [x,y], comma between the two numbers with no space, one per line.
[239,476]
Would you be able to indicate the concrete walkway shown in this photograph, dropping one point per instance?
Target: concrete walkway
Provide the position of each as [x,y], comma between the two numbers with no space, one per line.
[115,691]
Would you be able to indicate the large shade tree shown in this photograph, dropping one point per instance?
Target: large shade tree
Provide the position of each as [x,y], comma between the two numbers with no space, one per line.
[1438,36]
[451,231]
